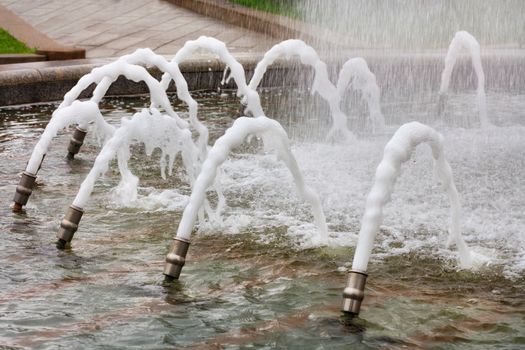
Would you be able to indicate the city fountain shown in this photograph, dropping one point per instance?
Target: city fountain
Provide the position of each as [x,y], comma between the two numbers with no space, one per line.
[319,165]
[172,135]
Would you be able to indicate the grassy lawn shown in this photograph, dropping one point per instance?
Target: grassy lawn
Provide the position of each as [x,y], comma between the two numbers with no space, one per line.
[8,44]
[280,7]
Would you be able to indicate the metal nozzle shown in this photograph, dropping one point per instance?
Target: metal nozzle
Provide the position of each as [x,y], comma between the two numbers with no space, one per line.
[354,292]
[77,139]
[176,258]
[69,225]
[24,190]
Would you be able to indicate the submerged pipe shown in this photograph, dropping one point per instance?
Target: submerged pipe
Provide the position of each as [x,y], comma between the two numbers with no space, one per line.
[176,258]
[23,190]
[69,225]
[77,139]
[354,292]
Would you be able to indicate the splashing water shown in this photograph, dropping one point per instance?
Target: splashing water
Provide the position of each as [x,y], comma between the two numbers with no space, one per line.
[464,40]
[104,76]
[155,131]
[274,137]
[397,151]
[354,73]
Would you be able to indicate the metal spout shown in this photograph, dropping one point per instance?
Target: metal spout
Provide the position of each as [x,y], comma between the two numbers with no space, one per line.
[77,139]
[354,292]
[176,258]
[69,225]
[23,190]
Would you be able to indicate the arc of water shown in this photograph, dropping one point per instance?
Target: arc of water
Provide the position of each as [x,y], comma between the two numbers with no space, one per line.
[355,72]
[465,40]
[109,71]
[148,57]
[104,76]
[397,151]
[149,127]
[249,95]
[78,112]
[321,84]
[273,135]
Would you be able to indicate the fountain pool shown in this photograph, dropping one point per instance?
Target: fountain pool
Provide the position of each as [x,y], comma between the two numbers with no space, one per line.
[257,278]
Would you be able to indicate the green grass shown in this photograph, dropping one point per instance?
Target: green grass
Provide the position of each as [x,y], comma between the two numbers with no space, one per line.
[8,44]
[280,7]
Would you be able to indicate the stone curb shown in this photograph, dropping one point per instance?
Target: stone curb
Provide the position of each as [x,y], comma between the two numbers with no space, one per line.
[45,46]
[49,81]
[395,72]
[21,58]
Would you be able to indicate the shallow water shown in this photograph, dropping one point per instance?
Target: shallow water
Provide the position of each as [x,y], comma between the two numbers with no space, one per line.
[255,280]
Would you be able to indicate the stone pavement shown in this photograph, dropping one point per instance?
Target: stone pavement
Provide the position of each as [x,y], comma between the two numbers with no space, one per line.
[107,28]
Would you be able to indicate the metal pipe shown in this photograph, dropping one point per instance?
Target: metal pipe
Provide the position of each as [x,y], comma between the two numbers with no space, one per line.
[176,258]
[77,139]
[69,225]
[354,292]
[23,190]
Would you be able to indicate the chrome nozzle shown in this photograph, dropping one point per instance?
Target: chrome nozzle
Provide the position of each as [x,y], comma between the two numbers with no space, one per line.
[176,258]
[24,190]
[69,225]
[354,292]
[77,139]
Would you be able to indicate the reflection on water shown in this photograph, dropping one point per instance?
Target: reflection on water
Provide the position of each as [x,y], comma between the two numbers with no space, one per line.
[254,280]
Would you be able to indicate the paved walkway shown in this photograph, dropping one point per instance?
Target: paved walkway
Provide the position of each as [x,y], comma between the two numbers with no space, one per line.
[107,28]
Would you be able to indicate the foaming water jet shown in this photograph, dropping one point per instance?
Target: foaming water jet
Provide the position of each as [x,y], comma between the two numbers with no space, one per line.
[71,111]
[274,138]
[397,151]
[152,129]
[321,83]
[464,40]
[356,74]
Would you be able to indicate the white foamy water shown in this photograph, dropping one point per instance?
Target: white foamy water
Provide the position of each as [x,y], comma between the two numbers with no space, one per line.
[487,168]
